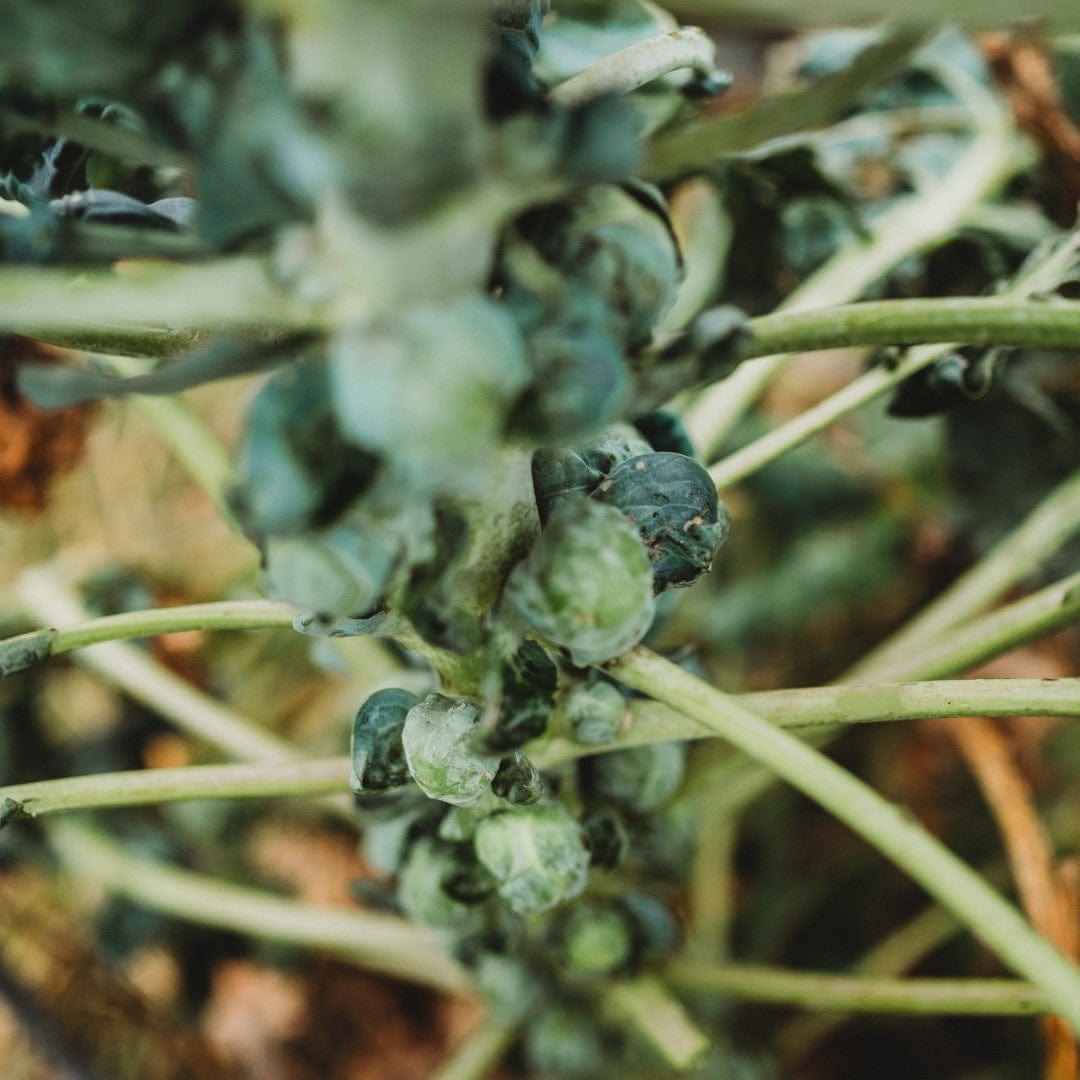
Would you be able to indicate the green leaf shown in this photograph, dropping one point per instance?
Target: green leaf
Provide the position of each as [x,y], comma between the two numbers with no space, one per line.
[24,651]
[378,758]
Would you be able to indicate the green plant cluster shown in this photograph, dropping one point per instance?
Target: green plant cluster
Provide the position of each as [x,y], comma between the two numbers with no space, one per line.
[460,440]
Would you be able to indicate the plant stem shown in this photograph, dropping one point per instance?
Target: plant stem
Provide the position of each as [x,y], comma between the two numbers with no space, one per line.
[981,639]
[145,787]
[888,828]
[479,1051]
[976,320]
[825,706]
[649,722]
[647,1003]
[223,615]
[1053,522]
[41,595]
[226,293]
[378,942]
[858,993]
[1042,276]
[913,224]
[639,64]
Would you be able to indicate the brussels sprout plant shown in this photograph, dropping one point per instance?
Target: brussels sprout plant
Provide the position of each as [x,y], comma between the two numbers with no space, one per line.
[606,448]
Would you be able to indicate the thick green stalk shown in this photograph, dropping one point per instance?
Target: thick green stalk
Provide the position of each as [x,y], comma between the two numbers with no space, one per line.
[824,706]
[227,293]
[888,828]
[858,993]
[145,787]
[648,722]
[913,224]
[223,615]
[377,942]
[974,320]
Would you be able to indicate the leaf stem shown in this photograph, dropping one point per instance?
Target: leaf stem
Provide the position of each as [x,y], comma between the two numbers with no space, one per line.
[144,787]
[858,993]
[41,595]
[639,64]
[481,1049]
[1053,522]
[378,942]
[888,828]
[649,722]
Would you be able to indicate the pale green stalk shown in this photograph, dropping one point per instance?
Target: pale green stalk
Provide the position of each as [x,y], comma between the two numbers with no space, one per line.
[145,787]
[888,828]
[378,942]
[857,993]
[755,455]
[648,722]
[650,1006]
[639,64]
[477,1054]
[1049,526]
[42,596]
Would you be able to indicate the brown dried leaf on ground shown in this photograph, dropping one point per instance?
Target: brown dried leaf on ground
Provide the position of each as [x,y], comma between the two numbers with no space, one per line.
[332,1022]
[35,444]
[1025,72]
[115,1030]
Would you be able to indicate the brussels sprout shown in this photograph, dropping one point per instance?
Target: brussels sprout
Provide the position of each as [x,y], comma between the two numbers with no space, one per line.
[509,987]
[460,822]
[297,470]
[597,940]
[664,431]
[378,759]
[595,712]
[606,834]
[445,374]
[617,247]
[587,584]
[518,781]
[537,855]
[440,741]
[672,500]
[527,695]
[420,890]
[641,778]
[581,382]
[465,879]
[656,932]
[334,573]
[565,1041]
[561,474]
